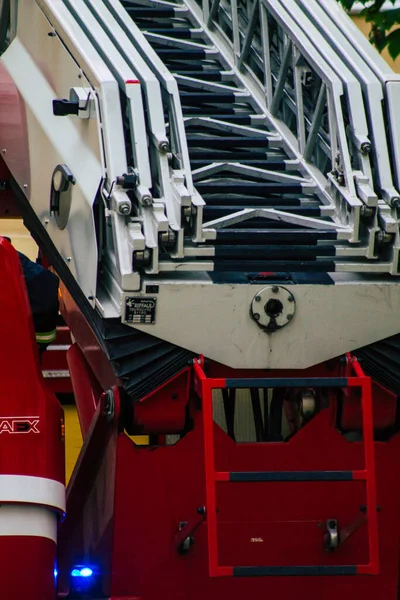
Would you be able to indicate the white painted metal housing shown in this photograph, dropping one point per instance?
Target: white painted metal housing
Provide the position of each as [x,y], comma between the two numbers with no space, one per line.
[314,89]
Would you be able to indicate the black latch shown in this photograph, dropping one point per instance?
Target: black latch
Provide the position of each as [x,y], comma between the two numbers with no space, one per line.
[63,108]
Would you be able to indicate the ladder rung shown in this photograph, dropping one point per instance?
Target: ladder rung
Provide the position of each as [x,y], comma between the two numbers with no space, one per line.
[294,571]
[263,476]
[300,382]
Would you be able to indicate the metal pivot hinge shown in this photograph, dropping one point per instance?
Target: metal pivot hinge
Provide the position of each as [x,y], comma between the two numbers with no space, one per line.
[331,538]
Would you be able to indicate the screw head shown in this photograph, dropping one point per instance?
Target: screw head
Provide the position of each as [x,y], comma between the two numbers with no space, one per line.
[4,150]
[256,317]
[291,299]
[289,317]
[258,298]
[25,185]
[275,289]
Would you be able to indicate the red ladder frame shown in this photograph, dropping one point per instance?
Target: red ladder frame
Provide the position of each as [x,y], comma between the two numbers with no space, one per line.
[205,386]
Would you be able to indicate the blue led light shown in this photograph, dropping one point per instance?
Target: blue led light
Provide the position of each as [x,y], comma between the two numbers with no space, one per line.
[86,572]
[82,572]
[55,573]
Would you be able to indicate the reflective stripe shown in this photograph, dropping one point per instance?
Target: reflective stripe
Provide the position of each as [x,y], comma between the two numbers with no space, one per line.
[25,520]
[32,490]
[46,337]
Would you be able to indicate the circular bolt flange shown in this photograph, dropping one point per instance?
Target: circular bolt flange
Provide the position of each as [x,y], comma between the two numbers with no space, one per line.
[278,308]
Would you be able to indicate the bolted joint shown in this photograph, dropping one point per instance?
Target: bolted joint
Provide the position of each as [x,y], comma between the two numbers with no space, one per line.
[146,201]
[141,258]
[124,208]
[366,212]
[167,239]
[366,147]
[382,237]
[341,179]
[395,202]
[163,146]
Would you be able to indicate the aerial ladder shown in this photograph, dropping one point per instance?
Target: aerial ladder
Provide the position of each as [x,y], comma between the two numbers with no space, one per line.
[217,185]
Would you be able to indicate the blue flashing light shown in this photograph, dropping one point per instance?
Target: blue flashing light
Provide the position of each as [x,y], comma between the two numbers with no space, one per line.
[55,573]
[86,572]
[82,572]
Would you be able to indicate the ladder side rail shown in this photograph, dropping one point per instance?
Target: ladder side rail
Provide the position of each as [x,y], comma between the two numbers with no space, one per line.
[181,178]
[389,79]
[105,95]
[152,218]
[372,89]
[359,131]
[151,88]
[167,82]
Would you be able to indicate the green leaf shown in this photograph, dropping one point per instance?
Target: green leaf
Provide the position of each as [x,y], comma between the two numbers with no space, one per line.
[382,23]
[347,4]
[393,43]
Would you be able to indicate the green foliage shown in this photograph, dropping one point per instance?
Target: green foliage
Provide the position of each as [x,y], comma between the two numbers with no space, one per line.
[385,25]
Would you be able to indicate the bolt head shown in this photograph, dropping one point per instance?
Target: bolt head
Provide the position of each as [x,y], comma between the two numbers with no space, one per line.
[366,148]
[147,201]
[291,299]
[258,298]
[275,289]
[124,208]
[395,202]
[289,317]
[256,317]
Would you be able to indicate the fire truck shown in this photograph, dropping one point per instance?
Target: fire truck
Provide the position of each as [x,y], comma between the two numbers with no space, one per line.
[216,183]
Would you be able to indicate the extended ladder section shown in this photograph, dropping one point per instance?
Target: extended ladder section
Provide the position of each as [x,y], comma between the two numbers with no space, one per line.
[260,135]
[204,387]
[290,128]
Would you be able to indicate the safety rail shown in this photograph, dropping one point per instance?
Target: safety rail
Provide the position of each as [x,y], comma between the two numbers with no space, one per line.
[204,387]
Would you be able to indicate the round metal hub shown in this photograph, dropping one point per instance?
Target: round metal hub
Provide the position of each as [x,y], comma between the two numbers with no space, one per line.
[273,307]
